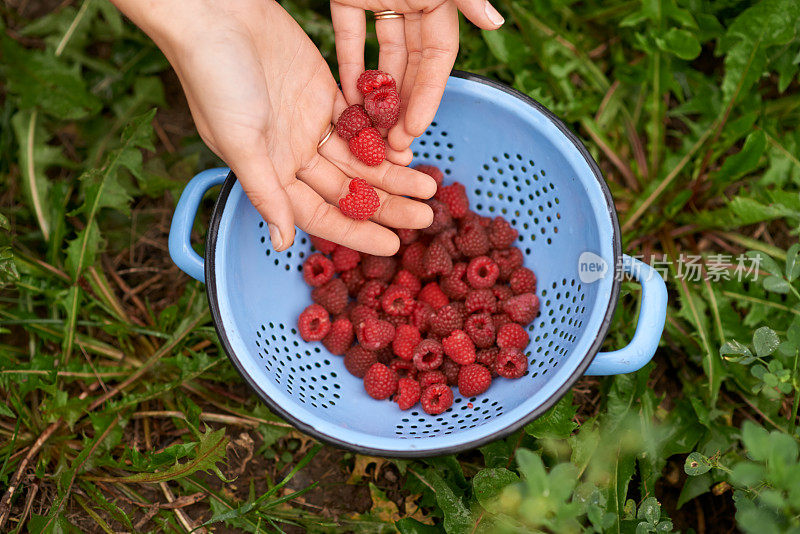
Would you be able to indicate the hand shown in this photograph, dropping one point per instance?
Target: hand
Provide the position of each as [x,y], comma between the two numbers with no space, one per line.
[262,97]
[418,50]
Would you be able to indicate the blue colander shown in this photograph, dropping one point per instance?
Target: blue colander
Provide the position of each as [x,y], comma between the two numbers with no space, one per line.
[517,160]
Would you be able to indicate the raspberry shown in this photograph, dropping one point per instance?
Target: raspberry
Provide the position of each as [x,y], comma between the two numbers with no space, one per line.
[354,280]
[345,258]
[422,316]
[317,269]
[473,379]
[450,370]
[446,320]
[374,334]
[508,260]
[480,329]
[522,280]
[383,106]
[431,171]
[482,272]
[406,339]
[429,378]
[412,259]
[461,309]
[501,235]
[385,355]
[397,300]
[331,296]
[523,308]
[502,293]
[370,293]
[340,337]
[358,360]
[368,146]
[432,294]
[441,217]
[351,121]
[472,240]
[436,399]
[454,285]
[408,393]
[446,238]
[407,280]
[373,79]
[407,235]
[513,336]
[428,355]
[314,323]
[459,347]
[403,368]
[380,267]
[362,200]
[360,313]
[436,260]
[487,357]
[455,198]
[380,381]
[499,320]
[481,301]
[323,245]
[396,320]
[510,363]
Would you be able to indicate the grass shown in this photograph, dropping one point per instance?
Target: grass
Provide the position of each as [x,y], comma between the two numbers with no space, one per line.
[121,412]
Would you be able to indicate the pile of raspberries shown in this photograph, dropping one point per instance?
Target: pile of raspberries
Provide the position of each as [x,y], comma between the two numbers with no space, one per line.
[358,125]
[449,309]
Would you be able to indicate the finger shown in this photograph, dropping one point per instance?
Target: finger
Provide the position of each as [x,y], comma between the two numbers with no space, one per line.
[481,13]
[398,138]
[392,55]
[317,217]
[394,211]
[350,33]
[263,187]
[387,176]
[439,49]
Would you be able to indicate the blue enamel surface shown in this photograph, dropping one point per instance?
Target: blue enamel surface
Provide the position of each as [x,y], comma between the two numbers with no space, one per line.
[514,162]
[180,246]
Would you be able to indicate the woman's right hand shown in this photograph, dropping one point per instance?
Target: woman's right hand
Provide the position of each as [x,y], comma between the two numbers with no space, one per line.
[262,97]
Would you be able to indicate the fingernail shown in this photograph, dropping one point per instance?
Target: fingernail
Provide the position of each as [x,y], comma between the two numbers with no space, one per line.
[275,236]
[493,14]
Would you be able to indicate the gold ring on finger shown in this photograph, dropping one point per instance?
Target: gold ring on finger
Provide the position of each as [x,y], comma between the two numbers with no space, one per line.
[388,14]
[325,137]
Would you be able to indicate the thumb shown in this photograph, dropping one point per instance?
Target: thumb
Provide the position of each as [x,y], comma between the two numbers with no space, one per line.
[263,187]
[481,13]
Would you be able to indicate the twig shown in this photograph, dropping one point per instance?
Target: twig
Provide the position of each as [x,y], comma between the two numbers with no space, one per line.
[5,503]
[187,523]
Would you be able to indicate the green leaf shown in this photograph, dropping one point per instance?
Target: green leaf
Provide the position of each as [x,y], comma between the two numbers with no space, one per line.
[208,452]
[765,341]
[764,262]
[793,262]
[40,80]
[506,45]
[6,411]
[747,159]
[696,464]
[409,525]
[649,510]
[681,43]
[557,422]
[457,518]
[776,284]
[733,351]
[488,483]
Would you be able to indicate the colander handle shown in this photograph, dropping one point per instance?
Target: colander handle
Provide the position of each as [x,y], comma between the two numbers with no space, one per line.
[652,314]
[180,232]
